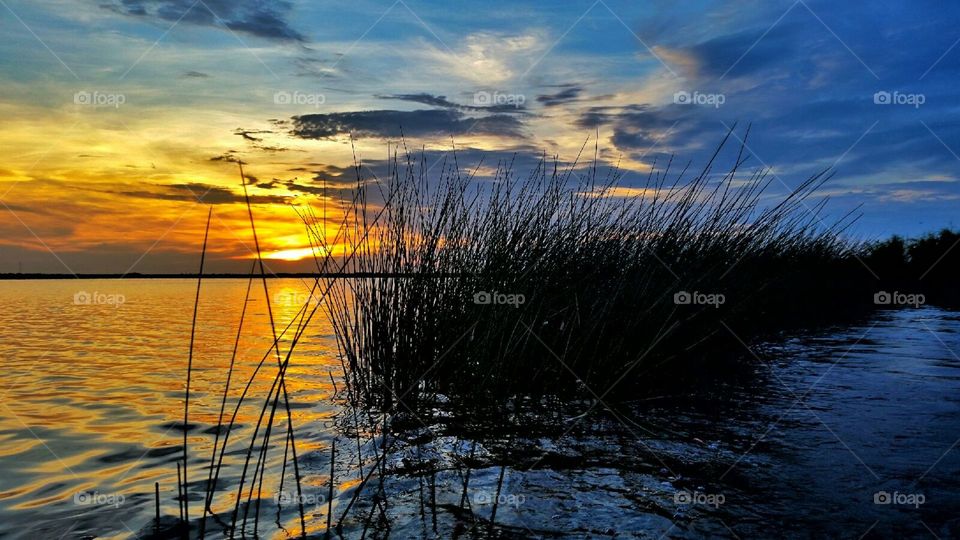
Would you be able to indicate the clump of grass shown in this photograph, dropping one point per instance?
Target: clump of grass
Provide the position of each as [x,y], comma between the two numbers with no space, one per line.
[603,273]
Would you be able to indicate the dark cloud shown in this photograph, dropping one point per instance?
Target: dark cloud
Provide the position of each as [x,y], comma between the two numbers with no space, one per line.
[333,173]
[391,124]
[744,53]
[249,135]
[442,101]
[254,17]
[194,75]
[306,188]
[254,138]
[230,156]
[567,94]
[521,160]
[810,92]
[323,174]
[273,183]
[644,116]
[640,127]
[200,193]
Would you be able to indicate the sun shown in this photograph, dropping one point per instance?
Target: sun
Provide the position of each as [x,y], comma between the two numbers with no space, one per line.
[297,254]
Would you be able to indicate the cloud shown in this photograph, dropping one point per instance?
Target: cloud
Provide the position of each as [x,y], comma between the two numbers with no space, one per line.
[567,94]
[255,139]
[230,156]
[253,17]
[742,53]
[521,159]
[487,58]
[442,101]
[306,188]
[340,175]
[389,124]
[200,193]
[682,61]
[250,135]
[640,127]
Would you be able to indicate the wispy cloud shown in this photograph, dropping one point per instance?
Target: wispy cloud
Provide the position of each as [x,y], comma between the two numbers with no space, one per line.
[253,17]
[393,124]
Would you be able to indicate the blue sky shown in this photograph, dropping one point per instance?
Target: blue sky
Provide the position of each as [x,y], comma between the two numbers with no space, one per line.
[867,90]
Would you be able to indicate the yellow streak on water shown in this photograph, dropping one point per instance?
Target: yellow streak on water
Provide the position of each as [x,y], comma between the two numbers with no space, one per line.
[93,396]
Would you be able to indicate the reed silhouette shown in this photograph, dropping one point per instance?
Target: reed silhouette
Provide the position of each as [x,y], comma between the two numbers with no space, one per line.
[566,280]
[459,298]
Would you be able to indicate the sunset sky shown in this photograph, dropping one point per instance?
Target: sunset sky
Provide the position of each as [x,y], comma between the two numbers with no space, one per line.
[122,120]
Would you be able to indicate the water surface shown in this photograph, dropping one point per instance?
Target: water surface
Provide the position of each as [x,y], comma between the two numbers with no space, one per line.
[830,427]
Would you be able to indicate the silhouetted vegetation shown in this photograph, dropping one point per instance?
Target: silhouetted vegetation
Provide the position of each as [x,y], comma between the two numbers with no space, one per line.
[487,307]
[563,280]
[929,265]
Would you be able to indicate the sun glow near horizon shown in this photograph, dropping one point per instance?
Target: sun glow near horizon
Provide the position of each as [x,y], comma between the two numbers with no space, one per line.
[296,254]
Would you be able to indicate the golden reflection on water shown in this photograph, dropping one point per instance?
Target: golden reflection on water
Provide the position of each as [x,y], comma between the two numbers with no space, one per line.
[92,394]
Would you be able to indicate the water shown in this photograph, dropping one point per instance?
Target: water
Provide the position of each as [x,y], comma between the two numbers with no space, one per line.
[92,394]
[92,416]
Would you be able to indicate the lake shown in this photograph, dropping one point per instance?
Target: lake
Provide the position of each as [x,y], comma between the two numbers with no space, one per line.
[843,432]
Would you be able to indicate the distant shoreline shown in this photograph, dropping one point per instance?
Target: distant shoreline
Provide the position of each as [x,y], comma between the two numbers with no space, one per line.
[278,275]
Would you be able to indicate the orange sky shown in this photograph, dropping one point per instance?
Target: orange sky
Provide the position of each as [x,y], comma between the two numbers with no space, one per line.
[115,117]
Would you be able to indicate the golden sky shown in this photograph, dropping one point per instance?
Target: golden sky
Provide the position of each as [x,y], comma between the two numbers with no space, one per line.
[121,122]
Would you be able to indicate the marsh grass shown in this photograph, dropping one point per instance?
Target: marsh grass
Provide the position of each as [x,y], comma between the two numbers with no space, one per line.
[504,307]
[596,265]
[422,277]
[270,433]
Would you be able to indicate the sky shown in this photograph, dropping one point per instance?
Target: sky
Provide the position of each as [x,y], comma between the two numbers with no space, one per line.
[122,121]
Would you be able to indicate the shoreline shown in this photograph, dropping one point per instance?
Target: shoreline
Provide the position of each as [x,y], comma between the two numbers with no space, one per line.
[276,275]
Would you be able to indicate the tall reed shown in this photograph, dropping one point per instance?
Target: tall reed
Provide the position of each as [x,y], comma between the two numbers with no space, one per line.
[568,279]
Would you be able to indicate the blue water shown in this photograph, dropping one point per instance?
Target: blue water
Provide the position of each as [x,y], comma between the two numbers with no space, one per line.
[845,432]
